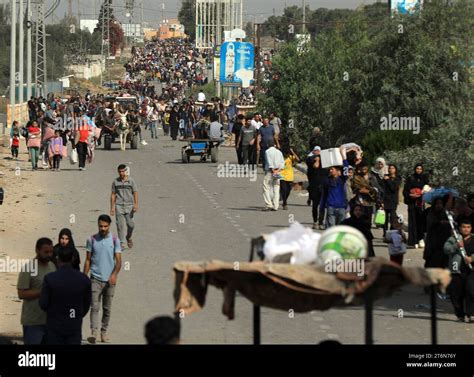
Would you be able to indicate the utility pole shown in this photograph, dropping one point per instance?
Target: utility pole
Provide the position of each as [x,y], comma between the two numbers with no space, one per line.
[257,55]
[13,59]
[79,12]
[218,23]
[304,16]
[69,10]
[103,43]
[105,50]
[162,13]
[21,54]
[29,26]
[41,63]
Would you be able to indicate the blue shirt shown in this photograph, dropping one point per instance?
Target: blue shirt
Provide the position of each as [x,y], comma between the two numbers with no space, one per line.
[334,193]
[267,133]
[103,251]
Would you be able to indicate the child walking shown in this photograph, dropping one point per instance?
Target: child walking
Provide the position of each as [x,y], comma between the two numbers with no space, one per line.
[56,149]
[397,242]
[15,142]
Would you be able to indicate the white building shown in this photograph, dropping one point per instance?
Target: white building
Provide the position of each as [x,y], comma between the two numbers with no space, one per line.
[88,25]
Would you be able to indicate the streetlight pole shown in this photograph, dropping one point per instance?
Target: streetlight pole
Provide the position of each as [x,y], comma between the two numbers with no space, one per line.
[21,54]
[304,16]
[13,59]
[29,58]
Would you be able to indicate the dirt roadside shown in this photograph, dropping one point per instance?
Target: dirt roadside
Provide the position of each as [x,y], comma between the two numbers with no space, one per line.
[20,227]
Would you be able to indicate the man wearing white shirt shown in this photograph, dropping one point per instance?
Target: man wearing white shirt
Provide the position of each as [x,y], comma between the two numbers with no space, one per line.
[201,97]
[274,163]
[257,121]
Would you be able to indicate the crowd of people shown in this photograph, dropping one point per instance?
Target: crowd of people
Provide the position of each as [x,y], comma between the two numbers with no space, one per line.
[175,63]
[57,296]
[54,123]
[351,193]
[355,194]
[362,196]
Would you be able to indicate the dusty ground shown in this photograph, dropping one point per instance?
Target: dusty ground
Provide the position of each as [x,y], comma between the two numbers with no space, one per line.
[19,226]
[188,213]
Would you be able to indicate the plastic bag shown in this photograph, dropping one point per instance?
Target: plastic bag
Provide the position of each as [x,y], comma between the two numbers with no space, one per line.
[73,157]
[380,218]
[301,242]
[44,160]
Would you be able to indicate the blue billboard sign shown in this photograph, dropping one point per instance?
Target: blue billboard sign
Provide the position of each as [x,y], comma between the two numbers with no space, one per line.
[405,6]
[237,63]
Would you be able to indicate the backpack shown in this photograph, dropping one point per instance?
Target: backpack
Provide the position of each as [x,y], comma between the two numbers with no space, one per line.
[92,239]
[24,132]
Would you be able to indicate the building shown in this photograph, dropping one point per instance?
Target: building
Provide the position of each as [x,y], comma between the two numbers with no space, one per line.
[88,25]
[171,29]
[150,33]
[133,31]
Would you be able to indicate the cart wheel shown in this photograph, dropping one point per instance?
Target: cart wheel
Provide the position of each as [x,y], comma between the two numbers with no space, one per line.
[184,157]
[134,142]
[214,154]
[107,142]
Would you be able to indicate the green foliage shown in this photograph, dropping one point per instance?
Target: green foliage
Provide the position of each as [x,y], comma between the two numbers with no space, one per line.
[208,89]
[117,39]
[64,48]
[448,153]
[249,30]
[4,47]
[318,20]
[376,143]
[352,77]
[187,17]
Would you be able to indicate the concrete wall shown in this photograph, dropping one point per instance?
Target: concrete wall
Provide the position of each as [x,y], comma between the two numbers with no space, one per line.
[19,109]
[86,71]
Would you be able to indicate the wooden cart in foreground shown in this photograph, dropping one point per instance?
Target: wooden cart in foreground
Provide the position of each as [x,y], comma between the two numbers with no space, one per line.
[302,288]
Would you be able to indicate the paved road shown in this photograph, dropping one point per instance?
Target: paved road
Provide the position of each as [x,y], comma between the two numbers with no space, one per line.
[188,213]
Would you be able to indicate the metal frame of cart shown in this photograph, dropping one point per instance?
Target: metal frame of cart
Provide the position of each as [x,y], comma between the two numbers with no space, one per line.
[257,244]
[200,147]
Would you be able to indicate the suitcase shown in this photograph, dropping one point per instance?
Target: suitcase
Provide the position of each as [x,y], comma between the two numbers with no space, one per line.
[331,157]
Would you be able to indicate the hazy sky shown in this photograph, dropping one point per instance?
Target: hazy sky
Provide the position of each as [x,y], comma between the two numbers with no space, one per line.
[152,8]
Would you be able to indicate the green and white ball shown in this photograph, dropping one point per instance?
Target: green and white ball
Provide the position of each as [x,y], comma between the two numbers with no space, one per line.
[341,242]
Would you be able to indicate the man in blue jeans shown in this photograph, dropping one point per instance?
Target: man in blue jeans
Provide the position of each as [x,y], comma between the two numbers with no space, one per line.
[103,261]
[334,194]
[30,282]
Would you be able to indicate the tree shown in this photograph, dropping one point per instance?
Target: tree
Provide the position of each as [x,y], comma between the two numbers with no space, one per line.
[448,153]
[98,28]
[249,30]
[187,17]
[353,77]
[117,40]
[5,25]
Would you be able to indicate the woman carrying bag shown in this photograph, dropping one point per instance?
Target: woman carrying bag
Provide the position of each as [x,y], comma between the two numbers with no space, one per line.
[34,143]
